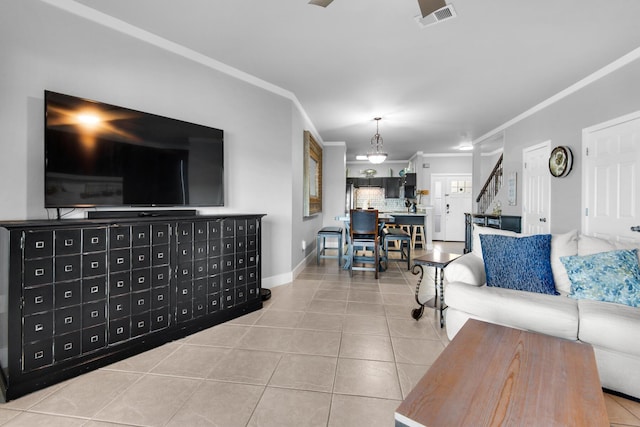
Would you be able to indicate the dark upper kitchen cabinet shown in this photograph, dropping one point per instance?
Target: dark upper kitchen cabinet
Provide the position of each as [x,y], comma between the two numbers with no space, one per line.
[392,188]
[409,179]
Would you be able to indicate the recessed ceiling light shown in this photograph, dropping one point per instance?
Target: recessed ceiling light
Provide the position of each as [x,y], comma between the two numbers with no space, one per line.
[362,157]
[465,146]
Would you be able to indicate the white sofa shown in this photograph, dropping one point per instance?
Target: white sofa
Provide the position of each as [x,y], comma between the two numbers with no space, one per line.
[612,329]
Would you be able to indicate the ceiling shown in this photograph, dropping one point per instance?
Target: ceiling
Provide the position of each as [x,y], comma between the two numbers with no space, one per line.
[433,87]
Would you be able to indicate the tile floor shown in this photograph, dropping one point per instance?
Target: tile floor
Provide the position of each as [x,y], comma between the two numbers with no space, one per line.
[326,350]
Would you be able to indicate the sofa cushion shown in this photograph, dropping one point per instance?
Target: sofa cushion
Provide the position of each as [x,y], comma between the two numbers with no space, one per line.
[612,276]
[521,263]
[565,244]
[610,326]
[478,230]
[468,269]
[547,314]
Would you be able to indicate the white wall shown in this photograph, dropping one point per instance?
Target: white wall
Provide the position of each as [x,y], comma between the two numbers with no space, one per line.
[46,48]
[440,164]
[562,122]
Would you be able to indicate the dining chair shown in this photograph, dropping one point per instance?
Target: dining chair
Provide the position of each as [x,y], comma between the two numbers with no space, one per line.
[364,235]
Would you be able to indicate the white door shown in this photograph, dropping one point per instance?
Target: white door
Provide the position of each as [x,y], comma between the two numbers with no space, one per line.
[536,189]
[611,179]
[451,198]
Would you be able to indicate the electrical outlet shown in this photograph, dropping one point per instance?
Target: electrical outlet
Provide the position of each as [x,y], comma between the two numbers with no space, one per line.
[304,245]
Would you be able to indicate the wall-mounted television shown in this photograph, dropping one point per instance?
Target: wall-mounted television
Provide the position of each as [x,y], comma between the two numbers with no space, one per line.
[102,155]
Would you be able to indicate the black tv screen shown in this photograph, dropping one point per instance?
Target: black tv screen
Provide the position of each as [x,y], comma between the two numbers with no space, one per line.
[98,154]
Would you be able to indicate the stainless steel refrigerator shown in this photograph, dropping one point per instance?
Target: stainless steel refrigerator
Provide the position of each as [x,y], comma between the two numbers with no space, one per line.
[349,198]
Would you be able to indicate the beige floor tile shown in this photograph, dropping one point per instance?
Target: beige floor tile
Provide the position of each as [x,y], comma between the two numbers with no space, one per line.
[367,378]
[27,401]
[247,319]
[7,414]
[152,401]
[365,309]
[332,295]
[618,414]
[289,303]
[409,376]
[415,351]
[322,322]
[630,405]
[369,347]
[321,343]
[146,361]
[364,286]
[305,372]
[30,419]
[246,366]
[291,408]
[87,394]
[371,325]
[365,296]
[224,335]
[353,411]
[334,286]
[409,328]
[266,338]
[218,404]
[192,361]
[327,307]
[401,289]
[406,299]
[280,318]
[399,311]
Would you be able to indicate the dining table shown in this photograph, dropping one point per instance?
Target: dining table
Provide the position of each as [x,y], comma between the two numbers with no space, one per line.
[383,219]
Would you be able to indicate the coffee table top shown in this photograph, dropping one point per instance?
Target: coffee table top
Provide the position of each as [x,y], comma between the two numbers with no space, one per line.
[494,375]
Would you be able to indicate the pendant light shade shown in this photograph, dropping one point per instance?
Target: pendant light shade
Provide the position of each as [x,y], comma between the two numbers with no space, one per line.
[376,154]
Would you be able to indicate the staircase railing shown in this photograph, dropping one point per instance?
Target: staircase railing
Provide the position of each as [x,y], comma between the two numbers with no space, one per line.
[490,188]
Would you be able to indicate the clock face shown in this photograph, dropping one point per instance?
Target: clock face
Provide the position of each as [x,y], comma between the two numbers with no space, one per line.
[560,161]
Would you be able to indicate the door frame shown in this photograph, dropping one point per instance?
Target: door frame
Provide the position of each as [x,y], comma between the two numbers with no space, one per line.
[586,132]
[544,144]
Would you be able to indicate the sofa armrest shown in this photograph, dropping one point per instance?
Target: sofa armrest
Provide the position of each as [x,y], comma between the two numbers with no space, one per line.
[468,269]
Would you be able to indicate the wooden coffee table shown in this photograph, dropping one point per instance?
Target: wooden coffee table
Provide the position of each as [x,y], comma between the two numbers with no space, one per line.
[491,375]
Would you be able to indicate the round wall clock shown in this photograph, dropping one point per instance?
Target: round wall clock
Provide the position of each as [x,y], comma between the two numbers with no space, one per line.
[560,161]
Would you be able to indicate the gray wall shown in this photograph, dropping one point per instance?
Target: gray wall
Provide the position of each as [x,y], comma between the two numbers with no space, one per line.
[46,48]
[612,96]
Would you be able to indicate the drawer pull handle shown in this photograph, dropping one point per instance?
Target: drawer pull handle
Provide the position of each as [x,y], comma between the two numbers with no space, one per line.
[160,297]
[119,307]
[120,237]
[119,260]
[39,327]
[120,284]
[68,294]
[95,264]
[160,255]
[160,276]
[160,234]
[160,318]
[200,269]
[94,338]
[140,258]
[94,290]
[95,240]
[68,268]
[68,242]
[185,272]
[185,252]
[185,292]
[39,272]
[120,330]
[141,279]
[68,320]
[185,311]
[141,301]
[68,346]
[141,236]
[39,244]
[39,299]
[95,314]
[141,324]
[39,355]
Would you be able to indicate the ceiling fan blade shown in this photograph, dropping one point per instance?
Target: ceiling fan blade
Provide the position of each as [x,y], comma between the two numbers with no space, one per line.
[323,3]
[427,7]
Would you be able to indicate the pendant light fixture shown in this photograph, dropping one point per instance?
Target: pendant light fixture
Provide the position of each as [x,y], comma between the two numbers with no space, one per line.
[376,154]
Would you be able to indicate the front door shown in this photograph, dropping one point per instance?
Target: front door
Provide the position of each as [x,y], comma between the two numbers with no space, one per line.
[451,198]
[536,189]
[611,179]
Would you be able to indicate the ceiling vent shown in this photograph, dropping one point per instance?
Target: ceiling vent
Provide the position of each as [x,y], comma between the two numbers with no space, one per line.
[447,12]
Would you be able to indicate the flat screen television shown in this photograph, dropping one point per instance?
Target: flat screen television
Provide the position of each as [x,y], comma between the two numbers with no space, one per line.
[102,155]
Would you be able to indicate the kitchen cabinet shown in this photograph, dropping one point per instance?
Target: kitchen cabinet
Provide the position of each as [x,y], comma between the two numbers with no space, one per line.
[392,187]
[409,182]
[81,294]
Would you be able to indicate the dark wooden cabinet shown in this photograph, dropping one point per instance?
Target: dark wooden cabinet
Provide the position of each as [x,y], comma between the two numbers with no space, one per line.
[502,222]
[80,294]
[392,187]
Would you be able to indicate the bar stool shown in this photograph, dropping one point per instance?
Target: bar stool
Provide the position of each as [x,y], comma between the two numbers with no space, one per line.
[418,236]
[321,247]
[399,238]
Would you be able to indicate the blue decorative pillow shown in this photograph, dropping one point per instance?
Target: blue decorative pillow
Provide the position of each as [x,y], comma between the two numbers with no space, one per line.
[612,276]
[521,263]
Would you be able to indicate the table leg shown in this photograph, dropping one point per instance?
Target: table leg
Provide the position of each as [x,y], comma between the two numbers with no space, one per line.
[416,313]
[441,285]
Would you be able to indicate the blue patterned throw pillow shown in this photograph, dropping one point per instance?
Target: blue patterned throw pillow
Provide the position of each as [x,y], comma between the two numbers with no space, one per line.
[612,276]
[521,263]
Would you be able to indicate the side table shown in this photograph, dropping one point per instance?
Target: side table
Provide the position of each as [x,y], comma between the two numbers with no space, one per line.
[438,260]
